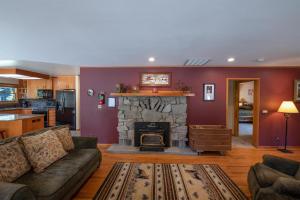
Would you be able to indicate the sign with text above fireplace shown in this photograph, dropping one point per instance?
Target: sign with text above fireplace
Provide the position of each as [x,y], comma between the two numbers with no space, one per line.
[156,79]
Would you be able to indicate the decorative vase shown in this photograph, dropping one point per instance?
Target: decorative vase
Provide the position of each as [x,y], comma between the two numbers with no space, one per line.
[154,90]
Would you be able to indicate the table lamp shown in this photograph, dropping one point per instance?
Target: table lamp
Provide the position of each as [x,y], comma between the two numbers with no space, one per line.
[287,108]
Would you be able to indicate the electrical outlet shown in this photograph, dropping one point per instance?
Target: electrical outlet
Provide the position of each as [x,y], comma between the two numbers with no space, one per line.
[277,141]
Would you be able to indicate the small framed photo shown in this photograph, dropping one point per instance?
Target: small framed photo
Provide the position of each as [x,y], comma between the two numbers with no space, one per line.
[111,102]
[209,92]
[155,79]
[297,91]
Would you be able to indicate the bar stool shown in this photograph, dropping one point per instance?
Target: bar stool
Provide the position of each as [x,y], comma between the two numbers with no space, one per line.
[2,134]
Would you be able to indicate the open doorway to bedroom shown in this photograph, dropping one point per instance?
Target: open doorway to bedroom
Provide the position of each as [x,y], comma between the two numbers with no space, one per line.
[242,110]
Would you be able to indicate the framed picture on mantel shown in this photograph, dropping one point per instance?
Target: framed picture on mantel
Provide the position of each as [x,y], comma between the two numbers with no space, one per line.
[155,79]
[209,92]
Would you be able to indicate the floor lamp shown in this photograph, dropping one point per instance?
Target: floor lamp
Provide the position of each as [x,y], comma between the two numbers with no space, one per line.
[287,108]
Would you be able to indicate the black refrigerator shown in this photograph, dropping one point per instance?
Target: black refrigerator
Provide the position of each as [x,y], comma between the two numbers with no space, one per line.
[66,108]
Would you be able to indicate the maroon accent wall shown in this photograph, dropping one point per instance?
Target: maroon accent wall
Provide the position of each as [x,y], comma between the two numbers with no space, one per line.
[276,86]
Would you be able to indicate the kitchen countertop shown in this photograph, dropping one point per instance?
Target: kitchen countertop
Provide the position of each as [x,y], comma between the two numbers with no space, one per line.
[14,117]
[22,108]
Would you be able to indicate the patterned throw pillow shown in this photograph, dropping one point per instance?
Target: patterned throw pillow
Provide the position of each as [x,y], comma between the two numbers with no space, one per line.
[65,138]
[43,149]
[13,162]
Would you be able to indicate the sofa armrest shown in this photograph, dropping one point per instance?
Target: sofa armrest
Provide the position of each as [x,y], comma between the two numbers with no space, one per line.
[85,142]
[13,191]
[283,165]
[287,186]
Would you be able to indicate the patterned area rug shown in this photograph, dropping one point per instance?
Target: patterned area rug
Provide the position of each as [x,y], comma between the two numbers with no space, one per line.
[146,181]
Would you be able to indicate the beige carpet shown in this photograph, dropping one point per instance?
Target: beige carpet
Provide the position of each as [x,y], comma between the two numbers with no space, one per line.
[146,181]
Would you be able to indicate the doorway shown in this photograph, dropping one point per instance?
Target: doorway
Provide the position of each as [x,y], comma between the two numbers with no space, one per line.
[242,110]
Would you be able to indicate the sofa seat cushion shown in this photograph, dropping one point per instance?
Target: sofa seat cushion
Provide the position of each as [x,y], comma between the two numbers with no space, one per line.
[266,176]
[62,175]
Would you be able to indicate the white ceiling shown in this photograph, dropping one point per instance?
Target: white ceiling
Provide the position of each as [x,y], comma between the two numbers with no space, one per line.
[125,33]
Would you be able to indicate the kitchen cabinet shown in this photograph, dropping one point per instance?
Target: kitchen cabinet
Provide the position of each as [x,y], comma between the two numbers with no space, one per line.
[13,111]
[51,117]
[34,85]
[26,111]
[16,125]
[22,89]
[64,82]
[17,111]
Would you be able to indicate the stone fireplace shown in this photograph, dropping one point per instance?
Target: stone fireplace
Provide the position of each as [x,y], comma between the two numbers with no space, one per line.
[153,136]
[153,109]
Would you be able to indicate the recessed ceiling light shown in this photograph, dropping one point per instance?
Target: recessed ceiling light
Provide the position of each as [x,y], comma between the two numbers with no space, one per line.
[151,59]
[231,59]
[260,59]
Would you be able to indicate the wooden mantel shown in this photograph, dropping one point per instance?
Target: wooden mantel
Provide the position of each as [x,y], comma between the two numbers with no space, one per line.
[145,93]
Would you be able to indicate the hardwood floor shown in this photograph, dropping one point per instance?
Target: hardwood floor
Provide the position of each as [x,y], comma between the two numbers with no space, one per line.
[235,163]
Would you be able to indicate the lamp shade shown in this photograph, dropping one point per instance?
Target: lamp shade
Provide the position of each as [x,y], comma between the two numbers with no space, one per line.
[288,107]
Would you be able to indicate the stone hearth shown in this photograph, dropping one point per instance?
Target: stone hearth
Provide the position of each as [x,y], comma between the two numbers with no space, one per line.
[153,109]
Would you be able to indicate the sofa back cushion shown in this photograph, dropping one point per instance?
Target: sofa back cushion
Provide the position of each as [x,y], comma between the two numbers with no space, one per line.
[43,149]
[65,138]
[13,162]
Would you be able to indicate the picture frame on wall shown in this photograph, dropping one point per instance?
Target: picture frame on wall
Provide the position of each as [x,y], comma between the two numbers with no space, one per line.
[209,92]
[155,79]
[111,103]
[297,90]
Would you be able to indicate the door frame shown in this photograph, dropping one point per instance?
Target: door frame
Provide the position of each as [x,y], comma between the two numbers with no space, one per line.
[256,99]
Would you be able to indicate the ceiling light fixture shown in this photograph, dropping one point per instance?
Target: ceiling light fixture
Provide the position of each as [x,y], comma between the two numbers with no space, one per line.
[151,59]
[18,76]
[8,63]
[231,59]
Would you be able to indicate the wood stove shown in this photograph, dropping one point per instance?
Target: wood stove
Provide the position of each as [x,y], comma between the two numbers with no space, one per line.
[151,136]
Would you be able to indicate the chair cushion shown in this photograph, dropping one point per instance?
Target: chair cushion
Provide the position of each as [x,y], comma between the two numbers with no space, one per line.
[65,138]
[13,162]
[62,175]
[43,149]
[266,176]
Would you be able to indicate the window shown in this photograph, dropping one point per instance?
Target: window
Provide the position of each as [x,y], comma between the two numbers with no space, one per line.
[8,93]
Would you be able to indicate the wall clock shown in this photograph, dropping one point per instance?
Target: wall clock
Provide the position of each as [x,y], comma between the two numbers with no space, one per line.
[90,92]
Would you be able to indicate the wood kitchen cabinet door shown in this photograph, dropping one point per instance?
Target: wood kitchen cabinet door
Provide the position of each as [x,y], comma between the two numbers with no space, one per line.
[51,117]
[34,85]
[26,111]
[64,82]
[48,84]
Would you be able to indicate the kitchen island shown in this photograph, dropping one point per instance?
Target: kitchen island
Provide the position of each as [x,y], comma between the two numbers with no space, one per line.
[18,124]
[49,112]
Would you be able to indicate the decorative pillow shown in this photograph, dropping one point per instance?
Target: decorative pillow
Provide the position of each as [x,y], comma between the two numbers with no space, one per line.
[65,138]
[13,162]
[43,149]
